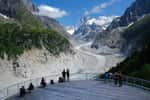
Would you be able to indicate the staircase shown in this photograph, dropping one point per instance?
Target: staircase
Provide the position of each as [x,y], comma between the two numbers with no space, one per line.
[86,90]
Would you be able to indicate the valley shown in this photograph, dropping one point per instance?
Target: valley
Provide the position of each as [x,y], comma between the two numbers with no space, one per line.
[36,41]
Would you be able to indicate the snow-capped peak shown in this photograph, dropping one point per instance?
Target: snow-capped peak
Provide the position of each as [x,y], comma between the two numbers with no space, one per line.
[102,21]
[91,26]
[71,29]
[4,16]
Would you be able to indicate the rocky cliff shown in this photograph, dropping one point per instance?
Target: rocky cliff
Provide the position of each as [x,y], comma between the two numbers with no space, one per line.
[113,36]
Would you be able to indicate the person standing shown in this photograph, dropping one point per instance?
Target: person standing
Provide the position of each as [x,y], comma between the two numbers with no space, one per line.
[68,74]
[110,76]
[106,76]
[64,75]
[120,79]
[116,78]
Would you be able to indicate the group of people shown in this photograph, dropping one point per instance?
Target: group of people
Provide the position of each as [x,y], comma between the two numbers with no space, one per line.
[117,77]
[65,77]
[23,91]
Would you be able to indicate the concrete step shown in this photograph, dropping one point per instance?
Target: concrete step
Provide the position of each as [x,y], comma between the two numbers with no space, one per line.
[86,90]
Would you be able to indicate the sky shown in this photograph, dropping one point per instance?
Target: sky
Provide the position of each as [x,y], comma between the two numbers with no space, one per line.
[69,12]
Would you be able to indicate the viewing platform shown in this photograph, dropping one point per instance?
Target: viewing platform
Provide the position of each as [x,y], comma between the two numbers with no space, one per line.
[86,90]
[84,86]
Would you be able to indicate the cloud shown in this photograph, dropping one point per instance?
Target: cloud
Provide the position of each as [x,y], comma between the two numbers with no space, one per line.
[103,21]
[49,11]
[99,8]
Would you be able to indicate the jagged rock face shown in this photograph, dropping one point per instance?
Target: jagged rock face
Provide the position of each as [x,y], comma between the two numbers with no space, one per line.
[11,8]
[137,36]
[30,6]
[51,23]
[132,14]
[113,40]
[91,26]
[137,9]
[87,32]
[113,37]
[7,7]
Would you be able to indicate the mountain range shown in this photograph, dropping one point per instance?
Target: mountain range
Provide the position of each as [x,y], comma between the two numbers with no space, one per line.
[89,27]
[117,34]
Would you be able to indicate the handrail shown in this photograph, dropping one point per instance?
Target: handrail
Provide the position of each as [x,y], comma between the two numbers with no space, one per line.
[141,83]
[13,89]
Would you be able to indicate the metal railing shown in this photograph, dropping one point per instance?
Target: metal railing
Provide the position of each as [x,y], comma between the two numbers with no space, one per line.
[14,89]
[137,82]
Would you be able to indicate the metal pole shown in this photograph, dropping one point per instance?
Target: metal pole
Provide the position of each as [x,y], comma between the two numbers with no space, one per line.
[7,92]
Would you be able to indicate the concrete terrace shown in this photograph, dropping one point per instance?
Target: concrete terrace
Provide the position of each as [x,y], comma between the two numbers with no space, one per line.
[86,90]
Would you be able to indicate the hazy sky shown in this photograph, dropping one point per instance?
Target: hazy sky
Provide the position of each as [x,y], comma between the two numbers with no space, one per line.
[69,12]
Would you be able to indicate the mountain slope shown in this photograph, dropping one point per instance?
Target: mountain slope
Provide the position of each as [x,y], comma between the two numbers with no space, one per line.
[23,11]
[17,10]
[87,32]
[132,14]
[136,36]
[113,35]
[15,39]
[137,39]
[23,31]
[51,23]
[137,65]
[90,27]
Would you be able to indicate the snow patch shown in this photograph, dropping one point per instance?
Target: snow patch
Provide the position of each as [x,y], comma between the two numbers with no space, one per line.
[4,16]
[103,21]
[71,29]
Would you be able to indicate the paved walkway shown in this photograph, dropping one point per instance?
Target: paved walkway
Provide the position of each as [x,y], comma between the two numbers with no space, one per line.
[86,90]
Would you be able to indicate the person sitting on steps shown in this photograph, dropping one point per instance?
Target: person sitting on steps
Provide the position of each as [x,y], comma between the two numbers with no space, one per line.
[52,82]
[22,91]
[60,80]
[43,83]
[30,88]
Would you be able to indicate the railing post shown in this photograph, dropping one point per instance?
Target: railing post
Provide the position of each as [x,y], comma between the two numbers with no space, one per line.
[17,87]
[134,82]
[7,92]
[142,83]
[24,83]
[86,75]
[37,80]
[126,80]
